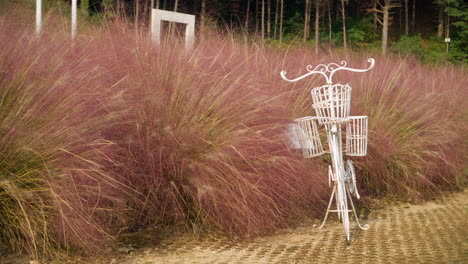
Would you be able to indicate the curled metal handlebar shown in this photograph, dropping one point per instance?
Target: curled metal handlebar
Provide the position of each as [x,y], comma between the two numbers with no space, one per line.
[327,70]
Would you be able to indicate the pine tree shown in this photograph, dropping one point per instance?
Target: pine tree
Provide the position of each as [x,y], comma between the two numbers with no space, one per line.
[317,29]
[384,7]
[345,42]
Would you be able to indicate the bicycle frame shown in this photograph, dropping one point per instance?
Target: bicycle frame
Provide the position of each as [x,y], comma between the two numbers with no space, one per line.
[332,103]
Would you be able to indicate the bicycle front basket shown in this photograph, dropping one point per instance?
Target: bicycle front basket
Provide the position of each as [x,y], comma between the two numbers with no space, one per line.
[309,137]
[332,103]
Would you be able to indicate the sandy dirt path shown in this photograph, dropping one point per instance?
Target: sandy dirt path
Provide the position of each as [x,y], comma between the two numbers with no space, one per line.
[432,232]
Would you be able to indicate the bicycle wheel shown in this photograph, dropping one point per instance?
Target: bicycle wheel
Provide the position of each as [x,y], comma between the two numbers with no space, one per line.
[343,208]
[351,179]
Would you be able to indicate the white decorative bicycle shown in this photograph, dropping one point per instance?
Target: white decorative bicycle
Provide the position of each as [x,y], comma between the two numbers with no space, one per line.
[332,107]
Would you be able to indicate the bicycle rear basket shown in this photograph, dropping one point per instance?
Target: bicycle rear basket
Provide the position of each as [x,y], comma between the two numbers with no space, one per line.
[332,103]
[356,136]
[309,137]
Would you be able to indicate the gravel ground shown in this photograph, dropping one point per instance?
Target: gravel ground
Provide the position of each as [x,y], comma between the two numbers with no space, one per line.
[433,232]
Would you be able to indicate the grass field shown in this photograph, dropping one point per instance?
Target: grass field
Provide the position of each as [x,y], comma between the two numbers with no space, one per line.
[109,134]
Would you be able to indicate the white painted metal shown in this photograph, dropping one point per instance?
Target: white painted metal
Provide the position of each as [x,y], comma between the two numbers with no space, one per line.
[38,16]
[332,106]
[332,103]
[356,136]
[327,70]
[158,15]
[351,178]
[74,10]
[309,137]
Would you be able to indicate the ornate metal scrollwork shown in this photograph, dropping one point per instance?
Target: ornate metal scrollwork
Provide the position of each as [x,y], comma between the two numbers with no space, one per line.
[327,70]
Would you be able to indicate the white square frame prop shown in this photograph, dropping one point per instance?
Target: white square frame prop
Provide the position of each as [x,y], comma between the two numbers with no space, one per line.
[74,8]
[158,15]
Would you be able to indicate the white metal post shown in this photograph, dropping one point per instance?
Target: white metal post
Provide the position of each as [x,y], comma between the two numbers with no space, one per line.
[189,32]
[38,16]
[155,26]
[74,10]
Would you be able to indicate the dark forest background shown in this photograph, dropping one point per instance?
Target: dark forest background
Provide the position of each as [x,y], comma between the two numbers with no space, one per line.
[415,27]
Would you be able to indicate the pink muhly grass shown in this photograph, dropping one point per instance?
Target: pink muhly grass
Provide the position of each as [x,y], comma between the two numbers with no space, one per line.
[205,141]
[55,191]
[415,128]
[415,122]
[132,135]
[163,127]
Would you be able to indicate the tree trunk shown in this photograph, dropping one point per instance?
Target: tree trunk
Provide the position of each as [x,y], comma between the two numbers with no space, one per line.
[171,28]
[400,17]
[447,27]
[145,11]
[202,16]
[309,16]
[329,26]
[276,19]
[345,46]
[385,26]
[281,22]
[84,7]
[137,13]
[413,22]
[317,20]
[263,20]
[440,25]
[447,32]
[247,12]
[306,20]
[256,16]
[269,19]
[406,18]
[374,26]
